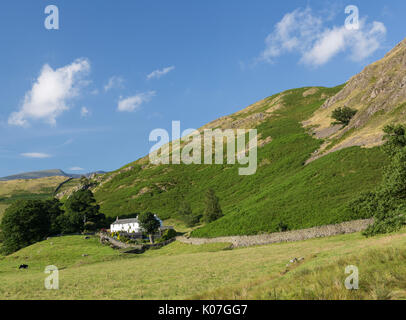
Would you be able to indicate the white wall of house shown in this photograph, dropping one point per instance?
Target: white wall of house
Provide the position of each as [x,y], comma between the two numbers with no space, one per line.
[133,227]
[127,227]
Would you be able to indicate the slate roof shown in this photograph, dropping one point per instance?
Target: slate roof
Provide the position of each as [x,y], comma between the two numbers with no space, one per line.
[126,221]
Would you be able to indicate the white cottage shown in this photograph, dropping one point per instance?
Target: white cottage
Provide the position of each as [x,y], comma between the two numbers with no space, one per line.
[129,225]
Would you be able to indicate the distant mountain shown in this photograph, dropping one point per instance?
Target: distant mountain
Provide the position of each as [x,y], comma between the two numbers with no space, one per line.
[47,173]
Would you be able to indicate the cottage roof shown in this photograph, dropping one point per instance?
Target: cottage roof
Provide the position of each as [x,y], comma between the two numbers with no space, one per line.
[126,221]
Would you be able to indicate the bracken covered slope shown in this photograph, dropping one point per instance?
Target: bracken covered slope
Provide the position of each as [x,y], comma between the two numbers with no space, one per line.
[283,189]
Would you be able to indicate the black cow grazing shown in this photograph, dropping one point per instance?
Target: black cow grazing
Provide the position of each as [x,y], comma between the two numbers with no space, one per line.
[23,266]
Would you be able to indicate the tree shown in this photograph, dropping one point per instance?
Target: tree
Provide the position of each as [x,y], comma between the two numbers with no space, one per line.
[186,214]
[213,210]
[54,212]
[395,136]
[28,221]
[387,203]
[149,223]
[81,211]
[343,115]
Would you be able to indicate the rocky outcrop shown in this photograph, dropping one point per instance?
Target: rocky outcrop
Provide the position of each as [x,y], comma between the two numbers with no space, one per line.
[310,92]
[378,94]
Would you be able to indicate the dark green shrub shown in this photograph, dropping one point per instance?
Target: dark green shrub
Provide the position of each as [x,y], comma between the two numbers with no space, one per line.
[186,215]
[282,227]
[213,210]
[343,115]
[169,234]
[395,136]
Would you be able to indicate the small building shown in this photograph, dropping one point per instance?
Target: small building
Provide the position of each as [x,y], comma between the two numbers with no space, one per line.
[132,226]
[126,225]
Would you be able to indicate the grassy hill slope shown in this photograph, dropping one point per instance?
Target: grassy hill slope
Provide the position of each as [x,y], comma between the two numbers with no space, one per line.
[27,189]
[283,189]
[181,271]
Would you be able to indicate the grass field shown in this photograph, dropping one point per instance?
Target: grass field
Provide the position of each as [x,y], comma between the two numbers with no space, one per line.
[181,271]
[283,189]
[32,186]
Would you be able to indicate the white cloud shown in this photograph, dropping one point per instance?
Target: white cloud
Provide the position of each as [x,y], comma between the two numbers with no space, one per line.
[133,103]
[159,73]
[36,155]
[50,93]
[304,32]
[330,43]
[84,112]
[76,169]
[114,82]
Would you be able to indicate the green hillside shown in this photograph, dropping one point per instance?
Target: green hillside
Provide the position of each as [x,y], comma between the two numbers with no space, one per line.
[13,190]
[283,189]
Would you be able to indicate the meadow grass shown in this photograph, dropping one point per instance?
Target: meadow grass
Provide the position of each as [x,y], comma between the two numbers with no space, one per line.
[181,271]
[382,276]
[32,186]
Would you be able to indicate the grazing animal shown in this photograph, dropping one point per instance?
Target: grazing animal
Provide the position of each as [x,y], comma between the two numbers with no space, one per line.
[23,266]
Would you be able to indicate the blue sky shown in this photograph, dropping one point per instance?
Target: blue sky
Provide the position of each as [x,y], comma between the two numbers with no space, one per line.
[85,97]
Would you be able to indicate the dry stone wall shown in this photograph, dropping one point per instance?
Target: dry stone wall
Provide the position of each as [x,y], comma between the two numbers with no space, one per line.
[289,236]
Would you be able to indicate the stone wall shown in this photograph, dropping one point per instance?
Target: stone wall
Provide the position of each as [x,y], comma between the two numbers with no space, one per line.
[104,238]
[116,243]
[289,236]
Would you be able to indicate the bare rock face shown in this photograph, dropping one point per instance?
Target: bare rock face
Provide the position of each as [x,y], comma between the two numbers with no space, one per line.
[378,94]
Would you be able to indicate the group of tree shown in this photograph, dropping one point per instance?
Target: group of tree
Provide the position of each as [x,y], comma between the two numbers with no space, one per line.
[387,203]
[28,221]
[212,211]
